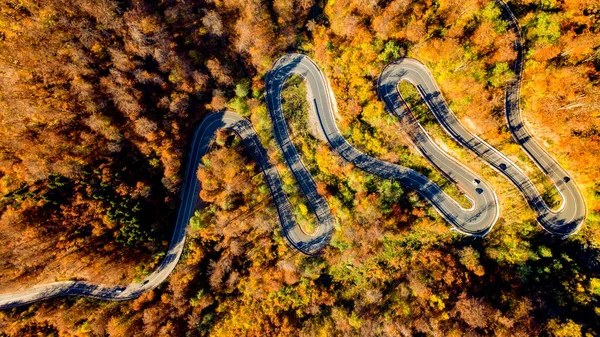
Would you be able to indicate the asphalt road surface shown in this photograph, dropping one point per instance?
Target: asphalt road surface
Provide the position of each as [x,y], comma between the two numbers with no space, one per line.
[572,212]
[203,136]
[477,220]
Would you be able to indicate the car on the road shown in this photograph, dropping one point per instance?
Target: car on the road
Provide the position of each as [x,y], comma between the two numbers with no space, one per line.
[476,181]
[502,166]
[566,179]
[479,190]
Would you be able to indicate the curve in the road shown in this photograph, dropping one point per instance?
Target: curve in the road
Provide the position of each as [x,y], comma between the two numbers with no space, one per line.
[569,218]
[477,220]
[306,243]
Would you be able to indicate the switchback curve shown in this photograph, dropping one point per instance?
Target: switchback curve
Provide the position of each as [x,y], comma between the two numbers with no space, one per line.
[477,220]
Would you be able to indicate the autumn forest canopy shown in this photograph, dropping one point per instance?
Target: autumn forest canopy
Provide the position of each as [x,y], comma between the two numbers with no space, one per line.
[98,103]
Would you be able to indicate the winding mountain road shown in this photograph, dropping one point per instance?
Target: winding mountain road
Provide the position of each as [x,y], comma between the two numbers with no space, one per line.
[561,222]
[202,140]
[477,220]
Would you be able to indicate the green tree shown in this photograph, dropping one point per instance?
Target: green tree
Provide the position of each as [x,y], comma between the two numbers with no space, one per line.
[242,89]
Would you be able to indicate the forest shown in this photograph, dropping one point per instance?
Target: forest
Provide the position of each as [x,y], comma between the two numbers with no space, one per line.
[98,102]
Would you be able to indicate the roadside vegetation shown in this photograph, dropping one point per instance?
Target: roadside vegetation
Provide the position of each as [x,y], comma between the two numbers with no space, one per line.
[435,130]
[295,111]
[428,121]
[97,102]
